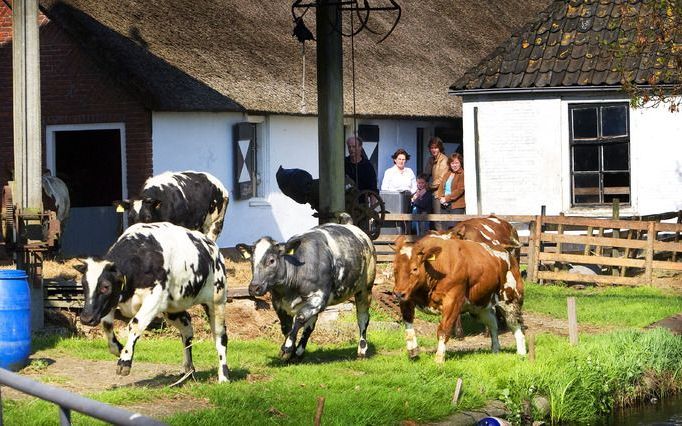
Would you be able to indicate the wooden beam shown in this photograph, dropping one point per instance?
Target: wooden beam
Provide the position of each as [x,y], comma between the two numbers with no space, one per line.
[592,260]
[596,279]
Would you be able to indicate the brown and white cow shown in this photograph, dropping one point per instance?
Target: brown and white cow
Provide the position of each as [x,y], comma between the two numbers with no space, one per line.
[491,230]
[497,234]
[441,275]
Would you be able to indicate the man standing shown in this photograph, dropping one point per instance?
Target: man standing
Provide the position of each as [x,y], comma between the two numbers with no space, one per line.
[437,167]
[357,167]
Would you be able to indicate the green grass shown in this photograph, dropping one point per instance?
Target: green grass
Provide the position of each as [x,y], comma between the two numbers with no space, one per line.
[581,382]
[616,306]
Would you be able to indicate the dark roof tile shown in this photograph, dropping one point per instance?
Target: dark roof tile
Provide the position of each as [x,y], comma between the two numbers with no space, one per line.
[613,77]
[533,65]
[575,65]
[557,78]
[588,63]
[579,50]
[543,79]
[521,66]
[573,10]
[560,65]
[599,77]
[537,53]
[529,79]
[489,81]
[550,52]
[554,38]
[507,66]
[575,42]
[570,79]
[547,65]
[571,24]
[585,78]
[516,80]
[604,10]
[599,23]
[504,80]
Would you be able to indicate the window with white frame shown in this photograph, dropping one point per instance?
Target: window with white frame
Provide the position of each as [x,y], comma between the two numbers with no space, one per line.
[600,153]
[250,160]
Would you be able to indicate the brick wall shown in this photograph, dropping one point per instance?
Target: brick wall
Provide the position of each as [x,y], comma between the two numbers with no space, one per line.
[74,91]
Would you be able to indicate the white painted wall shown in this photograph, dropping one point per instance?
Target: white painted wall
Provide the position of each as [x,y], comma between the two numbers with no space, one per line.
[203,141]
[525,156]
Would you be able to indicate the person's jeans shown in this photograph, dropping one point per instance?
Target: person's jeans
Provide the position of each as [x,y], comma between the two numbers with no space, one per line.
[449,225]
[419,227]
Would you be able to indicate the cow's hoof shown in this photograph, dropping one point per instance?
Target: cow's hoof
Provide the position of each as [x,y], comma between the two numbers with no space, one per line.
[285,356]
[122,369]
[440,358]
[413,353]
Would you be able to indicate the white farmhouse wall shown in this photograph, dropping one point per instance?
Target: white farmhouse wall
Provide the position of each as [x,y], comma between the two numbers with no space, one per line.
[525,155]
[204,142]
[656,156]
[520,156]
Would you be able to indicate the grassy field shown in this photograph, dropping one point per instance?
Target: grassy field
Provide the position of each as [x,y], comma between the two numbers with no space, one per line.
[580,382]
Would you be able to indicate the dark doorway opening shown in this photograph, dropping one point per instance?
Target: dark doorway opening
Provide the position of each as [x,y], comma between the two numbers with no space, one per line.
[89,162]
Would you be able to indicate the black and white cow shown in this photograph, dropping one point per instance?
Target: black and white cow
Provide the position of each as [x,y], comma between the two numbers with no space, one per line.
[153,269]
[195,200]
[56,198]
[324,266]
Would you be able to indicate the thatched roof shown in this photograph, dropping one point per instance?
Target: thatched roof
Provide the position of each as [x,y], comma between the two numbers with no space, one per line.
[234,55]
[578,43]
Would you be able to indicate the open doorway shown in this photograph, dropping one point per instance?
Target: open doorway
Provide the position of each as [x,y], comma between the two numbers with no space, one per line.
[90,160]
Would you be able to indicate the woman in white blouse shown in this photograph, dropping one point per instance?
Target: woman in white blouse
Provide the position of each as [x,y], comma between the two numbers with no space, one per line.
[399,178]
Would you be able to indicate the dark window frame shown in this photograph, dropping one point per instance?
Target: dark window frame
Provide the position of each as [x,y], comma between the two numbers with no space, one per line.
[605,194]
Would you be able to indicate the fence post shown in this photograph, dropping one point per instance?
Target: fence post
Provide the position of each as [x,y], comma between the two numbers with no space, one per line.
[534,249]
[560,231]
[677,234]
[318,411]
[615,252]
[649,258]
[586,252]
[572,321]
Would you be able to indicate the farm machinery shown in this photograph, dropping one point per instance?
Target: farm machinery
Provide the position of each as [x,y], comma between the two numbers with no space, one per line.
[27,234]
[365,207]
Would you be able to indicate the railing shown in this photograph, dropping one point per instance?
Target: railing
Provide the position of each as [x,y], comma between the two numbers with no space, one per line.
[68,401]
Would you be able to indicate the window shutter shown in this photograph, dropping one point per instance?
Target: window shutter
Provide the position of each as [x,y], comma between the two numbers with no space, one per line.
[370,143]
[244,160]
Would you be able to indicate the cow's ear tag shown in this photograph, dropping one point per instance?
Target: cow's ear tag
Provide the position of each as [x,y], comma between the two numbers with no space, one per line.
[290,252]
[431,258]
[120,209]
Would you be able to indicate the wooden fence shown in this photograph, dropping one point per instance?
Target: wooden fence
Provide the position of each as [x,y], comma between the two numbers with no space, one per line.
[638,250]
[621,251]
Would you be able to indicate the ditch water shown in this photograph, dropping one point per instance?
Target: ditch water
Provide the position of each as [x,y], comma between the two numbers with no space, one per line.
[664,413]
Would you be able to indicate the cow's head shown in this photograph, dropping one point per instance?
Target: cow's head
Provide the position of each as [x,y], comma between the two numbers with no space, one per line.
[102,286]
[410,267]
[143,211]
[265,256]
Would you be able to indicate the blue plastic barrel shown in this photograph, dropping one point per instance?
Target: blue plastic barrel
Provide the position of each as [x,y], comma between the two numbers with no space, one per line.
[15,319]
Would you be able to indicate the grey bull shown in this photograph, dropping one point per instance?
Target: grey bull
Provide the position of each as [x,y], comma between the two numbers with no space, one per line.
[324,266]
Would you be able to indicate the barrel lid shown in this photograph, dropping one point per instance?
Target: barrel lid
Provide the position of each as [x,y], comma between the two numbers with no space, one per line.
[12,274]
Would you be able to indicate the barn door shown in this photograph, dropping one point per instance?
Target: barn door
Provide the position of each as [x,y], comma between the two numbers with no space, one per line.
[245,167]
[89,160]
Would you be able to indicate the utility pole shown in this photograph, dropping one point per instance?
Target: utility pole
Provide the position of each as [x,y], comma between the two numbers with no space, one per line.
[27,187]
[330,109]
